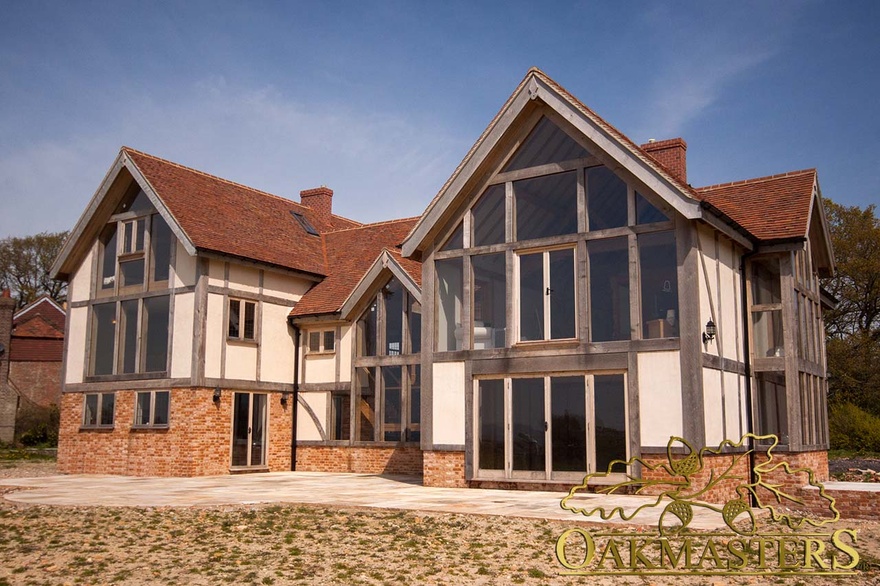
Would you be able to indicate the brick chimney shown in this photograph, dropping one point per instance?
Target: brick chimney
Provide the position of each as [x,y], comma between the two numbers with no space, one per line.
[671,153]
[8,398]
[320,200]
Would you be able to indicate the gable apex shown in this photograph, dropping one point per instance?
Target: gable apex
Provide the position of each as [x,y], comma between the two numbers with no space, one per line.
[537,90]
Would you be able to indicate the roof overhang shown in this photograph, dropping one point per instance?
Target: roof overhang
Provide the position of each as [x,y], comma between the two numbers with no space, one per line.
[537,90]
[384,267]
[102,205]
[819,234]
[37,303]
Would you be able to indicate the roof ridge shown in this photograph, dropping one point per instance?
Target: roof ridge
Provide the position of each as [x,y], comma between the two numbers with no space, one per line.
[755,180]
[373,224]
[222,179]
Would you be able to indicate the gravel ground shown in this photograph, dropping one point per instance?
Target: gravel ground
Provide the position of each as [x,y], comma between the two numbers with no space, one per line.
[296,544]
[841,465]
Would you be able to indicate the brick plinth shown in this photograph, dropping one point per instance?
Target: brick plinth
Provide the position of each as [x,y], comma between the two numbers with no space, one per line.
[197,441]
[445,469]
[359,459]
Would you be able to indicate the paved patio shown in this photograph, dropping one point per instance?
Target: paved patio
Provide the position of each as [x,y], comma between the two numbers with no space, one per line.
[318,488]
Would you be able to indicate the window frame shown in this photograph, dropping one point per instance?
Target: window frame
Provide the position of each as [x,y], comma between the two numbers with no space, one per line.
[243,304]
[99,407]
[547,297]
[151,423]
[322,342]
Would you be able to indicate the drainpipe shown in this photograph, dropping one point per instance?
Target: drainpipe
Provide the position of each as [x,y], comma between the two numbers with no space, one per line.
[748,367]
[296,335]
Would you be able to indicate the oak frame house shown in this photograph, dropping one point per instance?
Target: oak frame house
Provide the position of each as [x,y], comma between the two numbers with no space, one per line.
[566,299]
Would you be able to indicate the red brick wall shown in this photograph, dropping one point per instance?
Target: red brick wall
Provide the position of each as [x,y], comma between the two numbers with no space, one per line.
[445,469]
[38,382]
[359,459]
[196,443]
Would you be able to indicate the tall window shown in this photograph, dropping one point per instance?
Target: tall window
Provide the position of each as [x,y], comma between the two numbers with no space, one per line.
[516,254]
[242,320]
[387,386]
[130,336]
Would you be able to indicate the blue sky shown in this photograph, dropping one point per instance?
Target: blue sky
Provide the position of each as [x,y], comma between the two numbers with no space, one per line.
[381,100]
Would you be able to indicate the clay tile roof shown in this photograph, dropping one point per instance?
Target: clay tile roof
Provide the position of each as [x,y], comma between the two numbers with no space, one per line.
[350,254]
[37,326]
[225,217]
[770,208]
[35,350]
[47,310]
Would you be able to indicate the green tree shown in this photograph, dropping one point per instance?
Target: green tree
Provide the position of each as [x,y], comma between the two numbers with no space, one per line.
[853,328]
[25,263]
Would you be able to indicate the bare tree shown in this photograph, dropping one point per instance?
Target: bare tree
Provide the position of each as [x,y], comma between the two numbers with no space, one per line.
[25,263]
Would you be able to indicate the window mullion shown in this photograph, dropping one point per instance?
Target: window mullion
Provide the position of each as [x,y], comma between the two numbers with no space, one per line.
[547,294]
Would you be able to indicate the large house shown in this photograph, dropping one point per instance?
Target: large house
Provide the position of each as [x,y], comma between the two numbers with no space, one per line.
[566,299]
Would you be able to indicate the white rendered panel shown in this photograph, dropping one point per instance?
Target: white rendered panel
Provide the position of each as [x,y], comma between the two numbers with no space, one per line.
[659,397]
[315,408]
[320,368]
[448,403]
[734,402]
[276,344]
[242,278]
[713,413]
[285,286]
[344,349]
[241,361]
[184,267]
[182,339]
[76,344]
[79,287]
[707,242]
[216,272]
[215,335]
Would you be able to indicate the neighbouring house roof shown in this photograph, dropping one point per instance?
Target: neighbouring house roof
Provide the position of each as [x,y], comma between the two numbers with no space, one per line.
[38,332]
[351,253]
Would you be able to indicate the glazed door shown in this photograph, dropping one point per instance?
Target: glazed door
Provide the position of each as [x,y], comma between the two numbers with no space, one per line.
[249,430]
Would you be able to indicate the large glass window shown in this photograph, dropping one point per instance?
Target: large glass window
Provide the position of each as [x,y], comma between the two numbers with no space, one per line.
[772,410]
[547,295]
[546,206]
[606,199]
[610,411]
[659,284]
[490,301]
[488,217]
[138,339]
[491,427]
[104,329]
[393,296]
[546,143]
[449,304]
[527,413]
[388,400]
[609,289]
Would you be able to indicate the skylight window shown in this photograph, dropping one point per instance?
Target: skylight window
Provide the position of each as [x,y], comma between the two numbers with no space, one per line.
[306,225]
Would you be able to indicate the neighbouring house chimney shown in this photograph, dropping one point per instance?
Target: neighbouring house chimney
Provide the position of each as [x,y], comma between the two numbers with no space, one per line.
[320,200]
[8,398]
[672,154]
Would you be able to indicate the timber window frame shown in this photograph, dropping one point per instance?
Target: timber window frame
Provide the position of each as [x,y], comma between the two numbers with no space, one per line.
[99,410]
[152,409]
[321,342]
[546,326]
[129,337]
[242,321]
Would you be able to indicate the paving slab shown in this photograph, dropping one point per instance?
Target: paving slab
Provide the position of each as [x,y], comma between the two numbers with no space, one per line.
[320,488]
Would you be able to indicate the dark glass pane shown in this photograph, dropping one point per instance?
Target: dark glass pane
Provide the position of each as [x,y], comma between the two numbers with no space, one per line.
[609,289]
[490,300]
[129,333]
[546,143]
[393,295]
[367,332]
[240,425]
[250,322]
[456,240]
[140,231]
[160,241]
[156,309]
[90,410]
[105,337]
[491,424]
[341,415]
[562,294]
[108,265]
[528,424]
[391,406]
[258,430]
[568,401]
[160,411]
[658,269]
[314,341]
[546,206]
[646,213]
[234,305]
[606,199]
[329,341]
[140,203]
[415,325]
[142,409]
[128,236]
[449,296]
[366,405]
[766,288]
[610,414]
[132,272]
[108,401]
[415,403]
[531,297]
[767,333]
[488,217]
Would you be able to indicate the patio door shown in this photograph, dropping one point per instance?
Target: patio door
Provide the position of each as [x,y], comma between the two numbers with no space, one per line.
[249,430]
[549,427]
